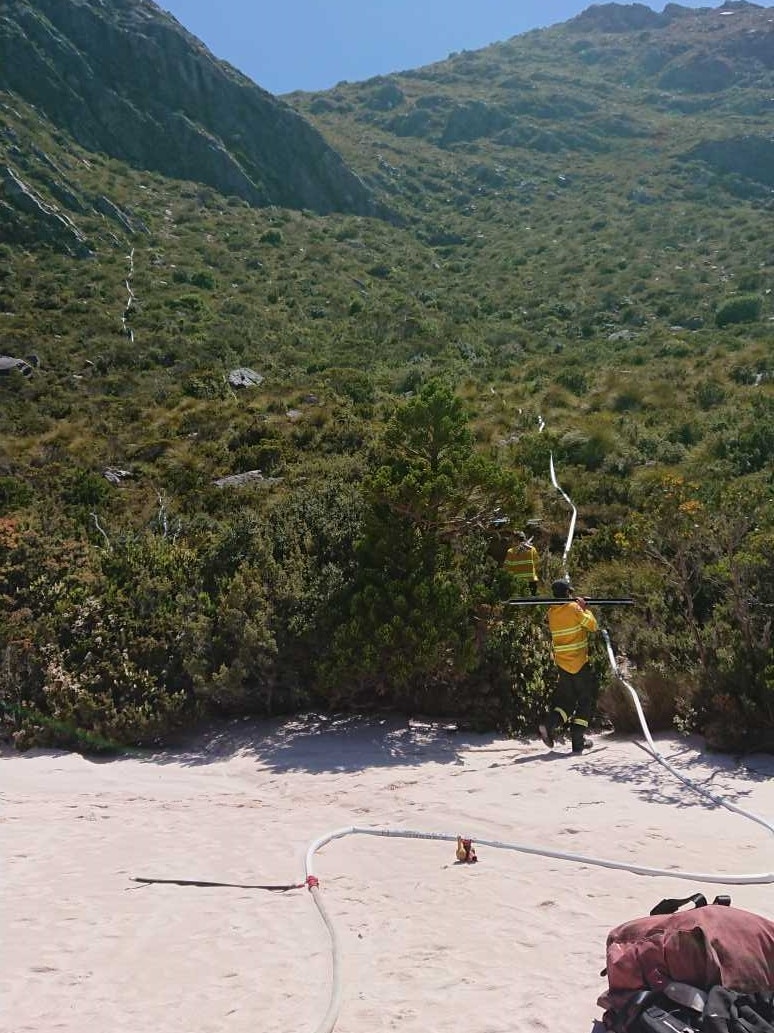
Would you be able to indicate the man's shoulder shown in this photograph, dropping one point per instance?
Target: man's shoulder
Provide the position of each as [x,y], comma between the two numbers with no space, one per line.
[562,611]
[559,610]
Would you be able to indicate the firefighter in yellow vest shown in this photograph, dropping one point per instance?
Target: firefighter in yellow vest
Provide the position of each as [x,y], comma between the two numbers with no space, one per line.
[521,562]
[570,625]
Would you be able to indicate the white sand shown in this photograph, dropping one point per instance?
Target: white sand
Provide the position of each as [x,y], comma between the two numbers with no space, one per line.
[514,943]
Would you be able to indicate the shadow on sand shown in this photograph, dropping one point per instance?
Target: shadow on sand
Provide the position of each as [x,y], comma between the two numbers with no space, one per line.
[318,743]
[714,773]
[321,743]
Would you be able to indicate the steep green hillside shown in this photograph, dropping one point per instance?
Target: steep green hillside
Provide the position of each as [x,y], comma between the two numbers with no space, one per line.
[580,233]
[125,79]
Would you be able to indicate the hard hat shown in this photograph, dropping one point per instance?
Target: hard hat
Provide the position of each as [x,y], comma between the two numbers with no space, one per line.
[561,588]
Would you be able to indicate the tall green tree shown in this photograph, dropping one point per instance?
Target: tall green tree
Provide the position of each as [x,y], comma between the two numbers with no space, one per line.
[409,634]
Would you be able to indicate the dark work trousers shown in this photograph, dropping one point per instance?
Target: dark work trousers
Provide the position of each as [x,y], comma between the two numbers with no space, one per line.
[573,701]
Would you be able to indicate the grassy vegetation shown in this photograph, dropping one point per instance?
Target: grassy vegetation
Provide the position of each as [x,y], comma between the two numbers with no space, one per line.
[559,252]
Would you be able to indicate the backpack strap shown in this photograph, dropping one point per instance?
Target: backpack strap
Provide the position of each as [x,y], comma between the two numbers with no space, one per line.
[672,904]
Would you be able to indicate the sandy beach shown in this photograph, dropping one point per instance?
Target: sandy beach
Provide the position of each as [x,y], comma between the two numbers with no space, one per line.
[512,944]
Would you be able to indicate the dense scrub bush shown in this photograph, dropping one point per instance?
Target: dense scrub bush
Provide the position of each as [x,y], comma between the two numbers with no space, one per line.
[751,447]
[78,660]
[574,380]
[14,494]
[709,394]
[589,447]
[743,309]
[705,576]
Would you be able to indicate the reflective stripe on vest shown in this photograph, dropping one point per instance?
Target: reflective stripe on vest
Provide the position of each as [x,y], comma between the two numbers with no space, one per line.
[570,626]
[522,563]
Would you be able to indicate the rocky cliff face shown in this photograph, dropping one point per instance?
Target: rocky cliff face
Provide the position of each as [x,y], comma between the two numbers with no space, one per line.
[635,17]
[124,78]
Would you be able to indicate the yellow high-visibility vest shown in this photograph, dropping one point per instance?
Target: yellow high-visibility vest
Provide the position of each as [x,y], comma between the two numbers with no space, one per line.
[570,625]
[521,561]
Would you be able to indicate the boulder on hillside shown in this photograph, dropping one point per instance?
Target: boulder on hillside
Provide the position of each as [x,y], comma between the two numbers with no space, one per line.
[9,364]
[238,480]
[384,95]
[473,120]
[243,376]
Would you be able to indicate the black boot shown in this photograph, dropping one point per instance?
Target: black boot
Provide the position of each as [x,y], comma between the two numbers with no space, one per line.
[545,734]
[579,740]
[547,727]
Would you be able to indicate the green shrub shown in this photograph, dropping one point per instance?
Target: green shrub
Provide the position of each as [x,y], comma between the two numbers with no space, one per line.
[574,380]
[709,394]
[14,494]
[192,303]
[203,279]
[85,488]
[743,309]
[352,383]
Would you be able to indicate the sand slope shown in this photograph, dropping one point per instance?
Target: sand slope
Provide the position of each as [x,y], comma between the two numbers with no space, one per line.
[512,944]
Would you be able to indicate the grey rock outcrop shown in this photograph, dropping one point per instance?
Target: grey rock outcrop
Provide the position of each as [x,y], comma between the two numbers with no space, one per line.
[239,480]
[471,121]
[50,223]
[126,79]
[244,377]
[636,17]
[614,17]
[112,211]
[116,475]
[9,364]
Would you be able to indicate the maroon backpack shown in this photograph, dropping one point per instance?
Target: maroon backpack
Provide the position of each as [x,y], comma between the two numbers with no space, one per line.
[707,946]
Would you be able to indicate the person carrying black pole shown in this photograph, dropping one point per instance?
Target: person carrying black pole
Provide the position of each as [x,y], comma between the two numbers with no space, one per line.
[576,689]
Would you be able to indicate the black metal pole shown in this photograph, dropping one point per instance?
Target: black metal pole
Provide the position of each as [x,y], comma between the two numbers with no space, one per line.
[550,601]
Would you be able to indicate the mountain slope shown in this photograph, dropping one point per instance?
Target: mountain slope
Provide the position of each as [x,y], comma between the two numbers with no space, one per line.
[126,79]
[586,156]
[617,79]
[583,253]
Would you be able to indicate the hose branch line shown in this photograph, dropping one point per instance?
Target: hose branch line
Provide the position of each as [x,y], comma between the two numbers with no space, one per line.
[568,500]
[721,878]
[654,752]
[131,298]
[719,801]
[334,1004]
[334,1001]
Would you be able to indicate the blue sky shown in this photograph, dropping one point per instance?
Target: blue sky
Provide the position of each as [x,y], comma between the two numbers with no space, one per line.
[286,45]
